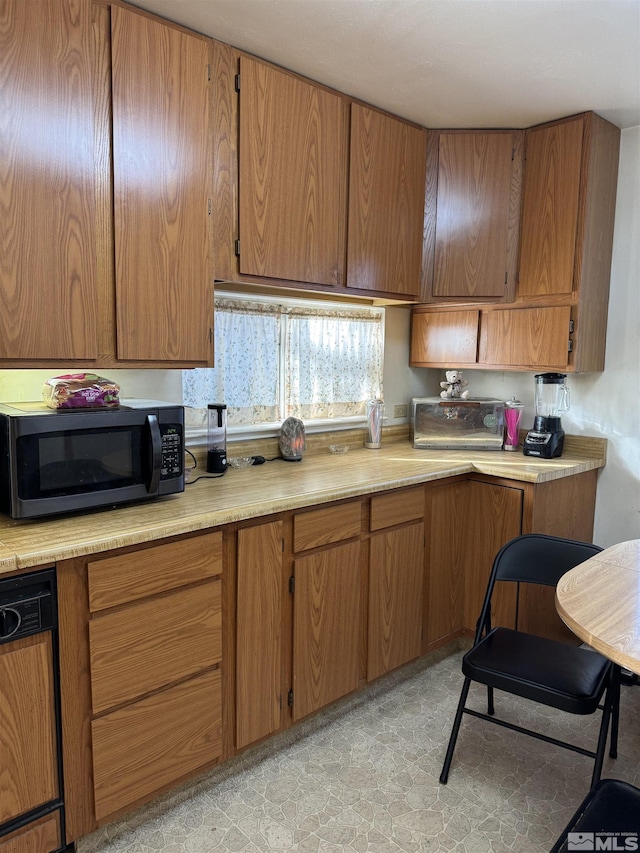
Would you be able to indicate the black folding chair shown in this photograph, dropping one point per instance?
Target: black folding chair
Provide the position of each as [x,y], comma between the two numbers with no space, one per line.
[607,819]
[556,674]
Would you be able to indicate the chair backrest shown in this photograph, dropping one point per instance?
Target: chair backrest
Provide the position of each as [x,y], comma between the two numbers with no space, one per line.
[536,558]
[533,558]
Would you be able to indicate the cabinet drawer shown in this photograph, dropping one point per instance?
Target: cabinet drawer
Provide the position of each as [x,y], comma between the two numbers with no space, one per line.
[139,749]
[154,643]
[324,526]
[397,508]
[138,574]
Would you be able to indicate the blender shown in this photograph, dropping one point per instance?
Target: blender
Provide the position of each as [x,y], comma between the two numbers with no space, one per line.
[552,398]
[217,438]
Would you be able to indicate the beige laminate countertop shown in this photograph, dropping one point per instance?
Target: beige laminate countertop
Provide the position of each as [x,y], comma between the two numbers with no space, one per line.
[273,487]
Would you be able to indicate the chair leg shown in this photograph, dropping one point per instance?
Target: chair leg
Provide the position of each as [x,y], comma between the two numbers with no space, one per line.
[602,737]
[490,708]
[454,731]
[615,710]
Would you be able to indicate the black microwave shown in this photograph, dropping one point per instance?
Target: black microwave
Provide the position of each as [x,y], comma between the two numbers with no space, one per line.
[56,461]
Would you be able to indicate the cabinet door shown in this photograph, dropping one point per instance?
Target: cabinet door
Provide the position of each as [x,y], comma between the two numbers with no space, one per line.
[47,232]
[525,337]
[396,571]
[259,632]
[459,565]
[550,208]
[326,627]
[495,517]
[386,203]
[162,184]
[27,726]
[473,214]
[444,338]
[293,160]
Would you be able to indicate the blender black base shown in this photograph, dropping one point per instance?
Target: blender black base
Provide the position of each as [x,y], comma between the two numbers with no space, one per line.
[544,445]
[216,462]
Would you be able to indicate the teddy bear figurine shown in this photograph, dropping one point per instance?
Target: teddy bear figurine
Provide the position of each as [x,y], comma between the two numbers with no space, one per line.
[453,386]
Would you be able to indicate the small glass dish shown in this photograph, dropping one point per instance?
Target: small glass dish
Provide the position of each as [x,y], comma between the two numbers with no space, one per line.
[240,462]
[338,449]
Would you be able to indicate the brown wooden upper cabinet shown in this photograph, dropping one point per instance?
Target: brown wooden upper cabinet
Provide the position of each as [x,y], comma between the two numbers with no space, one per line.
[48,298]
[106,228]
[557,317]
[162,186]
[386,203]
[476,215]
[317,192]
[504,338]
[293,167]
[570,183]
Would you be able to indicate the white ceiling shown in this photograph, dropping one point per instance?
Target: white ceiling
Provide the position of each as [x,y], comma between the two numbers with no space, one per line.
[444,63]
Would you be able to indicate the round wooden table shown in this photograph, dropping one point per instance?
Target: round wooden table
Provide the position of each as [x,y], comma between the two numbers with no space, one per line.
[599,601]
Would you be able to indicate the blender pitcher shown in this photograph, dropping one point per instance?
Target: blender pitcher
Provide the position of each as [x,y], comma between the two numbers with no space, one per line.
[216,438]
[546,439]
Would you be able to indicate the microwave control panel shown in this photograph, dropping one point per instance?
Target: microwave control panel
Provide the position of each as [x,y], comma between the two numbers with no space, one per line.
[172,451]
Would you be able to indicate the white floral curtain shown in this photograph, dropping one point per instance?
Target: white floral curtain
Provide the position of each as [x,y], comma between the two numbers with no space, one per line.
[333,362]
[247,366]
[331,358]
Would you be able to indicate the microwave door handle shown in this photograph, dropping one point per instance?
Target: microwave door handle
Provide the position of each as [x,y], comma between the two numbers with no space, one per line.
[156,453]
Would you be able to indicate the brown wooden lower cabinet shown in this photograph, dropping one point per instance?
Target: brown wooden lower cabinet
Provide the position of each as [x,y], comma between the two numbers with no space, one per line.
[141,674]
[259,616]
[396,577]
[326,627]
[469,521]
[320,601]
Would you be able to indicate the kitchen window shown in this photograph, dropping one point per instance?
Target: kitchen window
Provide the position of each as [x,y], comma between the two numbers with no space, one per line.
[276,358]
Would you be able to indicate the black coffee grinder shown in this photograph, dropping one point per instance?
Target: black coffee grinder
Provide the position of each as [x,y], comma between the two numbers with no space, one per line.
[546,439]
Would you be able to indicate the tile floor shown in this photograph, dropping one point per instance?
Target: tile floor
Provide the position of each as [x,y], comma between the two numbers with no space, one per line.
[363,776]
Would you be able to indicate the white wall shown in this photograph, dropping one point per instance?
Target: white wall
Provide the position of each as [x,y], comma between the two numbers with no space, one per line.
[19,385]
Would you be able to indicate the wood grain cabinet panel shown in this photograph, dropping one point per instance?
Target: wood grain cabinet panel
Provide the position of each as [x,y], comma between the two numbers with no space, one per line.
[473,214]
[293,161]
[396,508]
[326,627]
[525,337]
[259,615]
[444,338]
[143,747]
[495,517]
[162,186]
[42,836]
[326,525]
[396,573]
[152,643]
[144,572]
[386,203]
[28,751]
[550,208]
[48,300]
[459,566]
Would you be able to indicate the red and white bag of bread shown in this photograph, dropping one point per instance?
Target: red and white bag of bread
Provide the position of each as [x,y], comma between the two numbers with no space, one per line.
[80,391]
